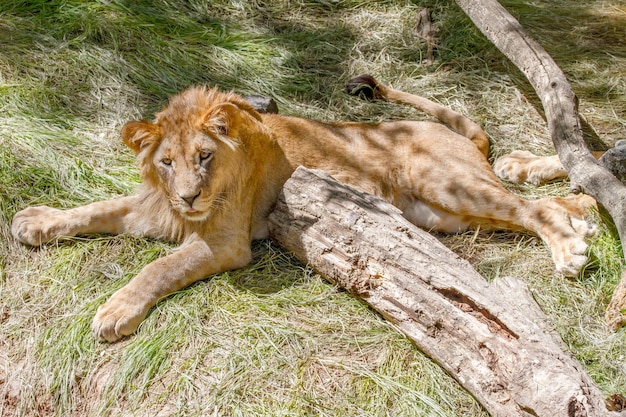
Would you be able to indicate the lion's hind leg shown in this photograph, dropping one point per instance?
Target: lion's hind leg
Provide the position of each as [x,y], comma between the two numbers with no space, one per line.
[524,166]
[558,221]
[431,218]
[561,224]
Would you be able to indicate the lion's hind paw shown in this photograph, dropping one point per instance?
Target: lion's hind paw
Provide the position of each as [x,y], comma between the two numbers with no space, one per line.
[570,253]
[573,266]
[584,227]
[524,166]
[570,256]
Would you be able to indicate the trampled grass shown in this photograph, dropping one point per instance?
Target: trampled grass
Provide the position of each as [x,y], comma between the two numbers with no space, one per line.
[272,339]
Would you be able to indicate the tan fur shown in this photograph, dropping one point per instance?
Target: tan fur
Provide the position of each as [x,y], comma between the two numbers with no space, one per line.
[212,168]
[524,166]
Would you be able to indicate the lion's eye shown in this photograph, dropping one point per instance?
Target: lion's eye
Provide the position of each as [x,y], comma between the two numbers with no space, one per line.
[205,155]
[166,161]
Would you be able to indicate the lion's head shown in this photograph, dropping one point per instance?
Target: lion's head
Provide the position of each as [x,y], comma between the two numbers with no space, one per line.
[194,152]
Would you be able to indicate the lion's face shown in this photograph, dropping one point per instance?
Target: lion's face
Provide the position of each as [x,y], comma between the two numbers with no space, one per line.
[186,170]
[192,151]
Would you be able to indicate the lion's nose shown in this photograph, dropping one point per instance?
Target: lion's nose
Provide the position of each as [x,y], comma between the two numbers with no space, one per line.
[189,199]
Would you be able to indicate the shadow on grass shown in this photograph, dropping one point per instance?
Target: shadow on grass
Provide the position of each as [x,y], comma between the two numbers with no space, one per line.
[584,38]
[160,49]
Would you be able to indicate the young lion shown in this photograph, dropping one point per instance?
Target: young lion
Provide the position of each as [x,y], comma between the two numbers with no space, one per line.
[212,168]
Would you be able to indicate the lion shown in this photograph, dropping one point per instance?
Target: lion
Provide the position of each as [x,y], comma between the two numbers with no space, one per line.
[212,168]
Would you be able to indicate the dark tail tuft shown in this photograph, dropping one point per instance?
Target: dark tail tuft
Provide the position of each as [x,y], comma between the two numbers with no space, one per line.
[363,86]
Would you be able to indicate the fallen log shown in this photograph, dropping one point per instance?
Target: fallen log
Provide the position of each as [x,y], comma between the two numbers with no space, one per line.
[492,337]
[561,109]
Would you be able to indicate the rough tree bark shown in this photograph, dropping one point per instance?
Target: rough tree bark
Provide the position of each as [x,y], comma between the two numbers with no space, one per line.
[492,337]
[561,109]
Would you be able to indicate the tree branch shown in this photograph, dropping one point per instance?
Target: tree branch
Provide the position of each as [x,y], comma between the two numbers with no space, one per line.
[561,108]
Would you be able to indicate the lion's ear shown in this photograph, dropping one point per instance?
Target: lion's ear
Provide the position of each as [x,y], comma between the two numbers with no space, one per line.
[138,135]
[223,119]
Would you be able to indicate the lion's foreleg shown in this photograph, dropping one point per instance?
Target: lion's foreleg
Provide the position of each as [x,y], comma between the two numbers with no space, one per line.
[41,224]
[195,260]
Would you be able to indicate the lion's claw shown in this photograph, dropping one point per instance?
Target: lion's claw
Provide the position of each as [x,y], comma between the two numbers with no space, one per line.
[118,317]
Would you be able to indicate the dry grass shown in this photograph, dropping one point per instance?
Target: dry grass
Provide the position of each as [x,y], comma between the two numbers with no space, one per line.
[272,339]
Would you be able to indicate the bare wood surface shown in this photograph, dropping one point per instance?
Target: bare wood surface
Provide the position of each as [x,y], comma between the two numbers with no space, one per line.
[492,337]
[561,109]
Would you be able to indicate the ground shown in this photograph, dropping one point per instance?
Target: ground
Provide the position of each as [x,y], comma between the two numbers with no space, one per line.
[273,339]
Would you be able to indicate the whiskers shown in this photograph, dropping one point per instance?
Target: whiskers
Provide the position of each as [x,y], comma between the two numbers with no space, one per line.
[203,209]
[220,201]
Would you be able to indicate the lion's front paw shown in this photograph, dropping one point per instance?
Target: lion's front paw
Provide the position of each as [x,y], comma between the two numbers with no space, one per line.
[524,166]
[37,225]
[118,317]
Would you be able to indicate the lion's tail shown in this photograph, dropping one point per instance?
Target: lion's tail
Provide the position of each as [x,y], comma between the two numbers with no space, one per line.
[367,87]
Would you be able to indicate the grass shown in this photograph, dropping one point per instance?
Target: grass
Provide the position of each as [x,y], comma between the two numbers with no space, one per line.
[272,339]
